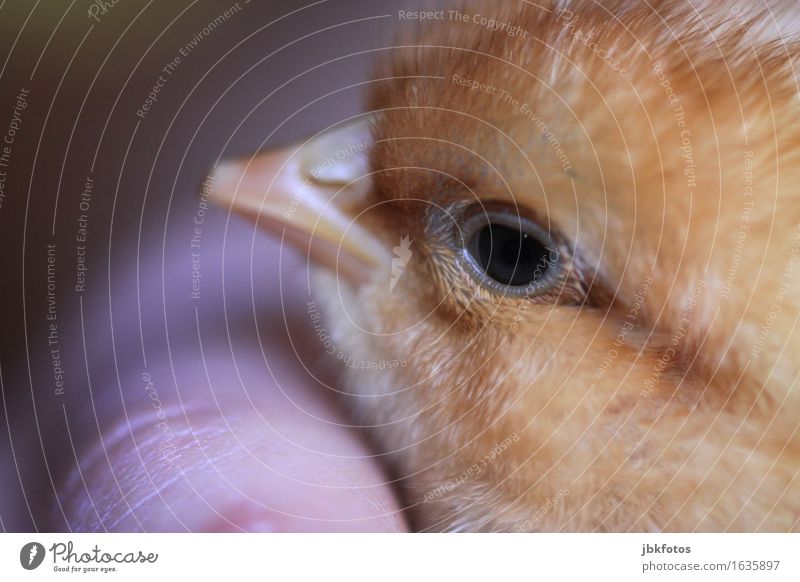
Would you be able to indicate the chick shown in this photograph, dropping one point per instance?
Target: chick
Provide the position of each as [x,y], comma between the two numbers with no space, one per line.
[588,322]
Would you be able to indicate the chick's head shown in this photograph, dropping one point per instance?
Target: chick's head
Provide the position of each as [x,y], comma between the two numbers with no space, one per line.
[533,273]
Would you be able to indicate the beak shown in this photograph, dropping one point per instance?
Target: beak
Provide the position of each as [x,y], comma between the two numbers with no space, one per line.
[309,193]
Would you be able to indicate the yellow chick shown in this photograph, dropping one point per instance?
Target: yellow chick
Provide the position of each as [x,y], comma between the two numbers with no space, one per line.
[559,262]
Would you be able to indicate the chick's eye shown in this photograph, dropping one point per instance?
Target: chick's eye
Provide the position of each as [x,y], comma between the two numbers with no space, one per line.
[509,254]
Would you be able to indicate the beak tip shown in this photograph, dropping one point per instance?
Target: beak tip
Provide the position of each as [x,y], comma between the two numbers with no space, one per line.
[224,179]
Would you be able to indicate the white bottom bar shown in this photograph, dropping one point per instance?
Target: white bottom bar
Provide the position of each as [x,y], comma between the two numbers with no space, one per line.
[235,557]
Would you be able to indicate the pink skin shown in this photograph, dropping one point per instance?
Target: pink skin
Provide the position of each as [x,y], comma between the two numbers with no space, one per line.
[268,468]
[252,442]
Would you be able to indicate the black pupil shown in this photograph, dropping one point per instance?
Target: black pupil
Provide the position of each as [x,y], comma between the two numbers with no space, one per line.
[509,256]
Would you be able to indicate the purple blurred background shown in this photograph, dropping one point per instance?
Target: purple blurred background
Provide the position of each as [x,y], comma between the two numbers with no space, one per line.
[251,75]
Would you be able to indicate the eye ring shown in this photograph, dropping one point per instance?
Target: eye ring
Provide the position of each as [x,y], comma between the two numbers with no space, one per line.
[508,254]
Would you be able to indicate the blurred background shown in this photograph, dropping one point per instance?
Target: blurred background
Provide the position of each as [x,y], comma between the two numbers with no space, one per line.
[122,292]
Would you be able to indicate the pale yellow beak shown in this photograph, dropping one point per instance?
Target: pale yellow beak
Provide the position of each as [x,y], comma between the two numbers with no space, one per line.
[309,193]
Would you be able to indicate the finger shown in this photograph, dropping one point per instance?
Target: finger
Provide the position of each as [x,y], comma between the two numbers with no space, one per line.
[229,468]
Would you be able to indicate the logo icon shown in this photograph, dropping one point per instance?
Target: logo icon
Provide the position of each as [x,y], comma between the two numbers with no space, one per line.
[402,254]
[31,555]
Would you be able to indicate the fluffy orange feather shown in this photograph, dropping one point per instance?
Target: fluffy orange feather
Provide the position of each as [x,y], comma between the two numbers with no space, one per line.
[648,380]
[655,389]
